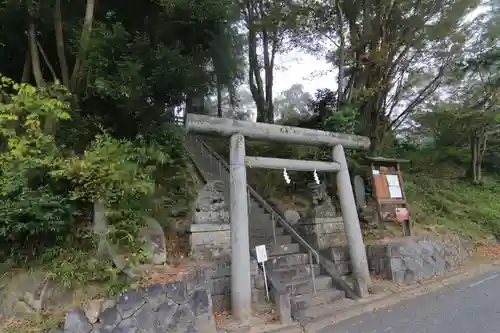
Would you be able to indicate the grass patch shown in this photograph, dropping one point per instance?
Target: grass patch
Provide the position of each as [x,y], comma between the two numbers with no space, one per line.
[453,204]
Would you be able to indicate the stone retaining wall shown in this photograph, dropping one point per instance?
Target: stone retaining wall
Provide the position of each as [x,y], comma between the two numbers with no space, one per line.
[408,260]
[321,232]
[181,307]
[340,257]
[405,260]
[221,284]
[212,243]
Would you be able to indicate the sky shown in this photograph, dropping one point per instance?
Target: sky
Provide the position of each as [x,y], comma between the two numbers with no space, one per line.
[298,67]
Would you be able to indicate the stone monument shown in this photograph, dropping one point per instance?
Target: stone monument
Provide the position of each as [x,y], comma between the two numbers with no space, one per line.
[322,226]
[359,192]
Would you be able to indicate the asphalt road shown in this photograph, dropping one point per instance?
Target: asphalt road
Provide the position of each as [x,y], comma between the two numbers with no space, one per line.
[467,307]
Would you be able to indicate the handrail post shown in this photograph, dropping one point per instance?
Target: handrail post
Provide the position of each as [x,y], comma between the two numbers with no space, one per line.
[312,272]
[274,227]
[248,200]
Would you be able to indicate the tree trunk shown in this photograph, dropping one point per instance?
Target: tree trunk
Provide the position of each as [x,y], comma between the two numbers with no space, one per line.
[219,99]
[268,76]
[341,76]
[474,171]
[61,54]
[27,68]
[35,57]
[47,62]
[254,78]
[84,44]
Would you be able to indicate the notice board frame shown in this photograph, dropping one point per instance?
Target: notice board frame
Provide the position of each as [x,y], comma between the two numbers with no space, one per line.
[380,168]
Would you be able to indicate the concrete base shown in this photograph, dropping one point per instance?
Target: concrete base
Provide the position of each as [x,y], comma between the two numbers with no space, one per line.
[339,255]
[324,232]
[210,241]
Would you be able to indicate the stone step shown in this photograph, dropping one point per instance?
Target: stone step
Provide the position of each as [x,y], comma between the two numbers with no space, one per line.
[319,313]
[259,217]
[265,232]
[296,272]
[281,239]
[303,302]
[289,260]
[260,225]
[305,285]
[274,250]
[255,207]
[264,227]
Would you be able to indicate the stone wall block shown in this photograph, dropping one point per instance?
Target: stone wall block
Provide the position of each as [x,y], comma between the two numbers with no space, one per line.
[129,302]
[409,260]
[181,307]
[176,292]
[76,322]
[200,301]
[221,286]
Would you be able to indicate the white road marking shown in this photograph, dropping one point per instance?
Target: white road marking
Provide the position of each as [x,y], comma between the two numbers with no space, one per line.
[477,283]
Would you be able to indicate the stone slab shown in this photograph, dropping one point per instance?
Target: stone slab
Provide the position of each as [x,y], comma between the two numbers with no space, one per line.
[209,227]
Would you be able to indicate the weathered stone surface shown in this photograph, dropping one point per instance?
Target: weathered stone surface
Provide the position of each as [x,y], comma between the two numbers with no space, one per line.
[210,206]
[29,292]
[166,314]
[129,302]
[56,330]
[109,319]
[206,320]
[154,246]
[181,319]
[176,292]
[126,326]
[359,191]
[210,241]
[92,310]
[155,296]
[292,216]
[339,255]
[322,226]
[76,322]
[181,307]
[200,302]
[151,236]
[146,319]
[411,259]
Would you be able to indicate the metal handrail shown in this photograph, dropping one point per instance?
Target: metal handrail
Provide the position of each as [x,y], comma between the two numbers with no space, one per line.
[268,208]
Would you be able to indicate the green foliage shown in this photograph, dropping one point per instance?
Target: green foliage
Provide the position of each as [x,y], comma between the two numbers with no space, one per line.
[47,190]
[345,120]
[33,201]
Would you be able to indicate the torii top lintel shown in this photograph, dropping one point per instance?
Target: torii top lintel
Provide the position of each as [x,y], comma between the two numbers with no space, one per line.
[262,131]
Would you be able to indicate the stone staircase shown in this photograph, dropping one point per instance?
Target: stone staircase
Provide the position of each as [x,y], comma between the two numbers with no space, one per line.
[295,268]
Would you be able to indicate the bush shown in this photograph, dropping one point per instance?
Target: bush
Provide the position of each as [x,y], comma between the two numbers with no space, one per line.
[47,190]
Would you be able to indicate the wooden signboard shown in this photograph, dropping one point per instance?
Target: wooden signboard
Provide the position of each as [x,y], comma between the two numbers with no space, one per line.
[390,196]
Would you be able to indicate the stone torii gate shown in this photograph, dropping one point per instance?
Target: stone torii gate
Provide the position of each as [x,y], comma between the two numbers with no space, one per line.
[238,130]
